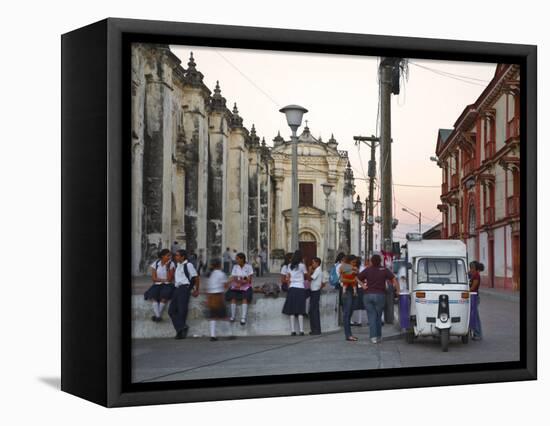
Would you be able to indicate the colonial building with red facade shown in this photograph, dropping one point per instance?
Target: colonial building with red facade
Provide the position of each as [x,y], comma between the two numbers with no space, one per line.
[480,165]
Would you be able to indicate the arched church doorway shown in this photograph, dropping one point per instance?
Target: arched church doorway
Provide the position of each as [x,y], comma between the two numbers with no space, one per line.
[308,246]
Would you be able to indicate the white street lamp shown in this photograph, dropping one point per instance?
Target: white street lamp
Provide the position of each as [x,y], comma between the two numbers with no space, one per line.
[327,189]
[418,216]
[294,114]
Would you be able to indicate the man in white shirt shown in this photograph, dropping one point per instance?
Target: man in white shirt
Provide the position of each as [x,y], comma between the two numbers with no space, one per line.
[186,283]
[316,275]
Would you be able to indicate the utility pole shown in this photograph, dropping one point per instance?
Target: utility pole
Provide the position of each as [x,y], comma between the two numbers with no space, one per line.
[389,83]
[372,142]
[386,69]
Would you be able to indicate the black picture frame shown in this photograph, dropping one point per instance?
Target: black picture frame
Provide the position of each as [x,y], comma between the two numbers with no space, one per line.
[95,244]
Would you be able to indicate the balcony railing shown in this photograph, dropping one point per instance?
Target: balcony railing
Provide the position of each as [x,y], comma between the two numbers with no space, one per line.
[444,188]
[489,215]
[490,148]
[512,128]
[454,229]
[512,205]
[454,180]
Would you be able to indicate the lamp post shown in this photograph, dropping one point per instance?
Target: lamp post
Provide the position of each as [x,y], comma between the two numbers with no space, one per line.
[327,189]
[294,114]
[418,216]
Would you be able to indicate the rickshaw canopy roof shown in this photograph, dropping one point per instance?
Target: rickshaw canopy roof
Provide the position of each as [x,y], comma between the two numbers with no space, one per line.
[436,248]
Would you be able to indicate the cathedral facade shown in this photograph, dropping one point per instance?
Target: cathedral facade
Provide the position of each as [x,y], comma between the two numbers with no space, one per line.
[199,177]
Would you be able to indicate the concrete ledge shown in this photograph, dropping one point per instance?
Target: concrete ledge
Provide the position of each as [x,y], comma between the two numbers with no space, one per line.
[265,318]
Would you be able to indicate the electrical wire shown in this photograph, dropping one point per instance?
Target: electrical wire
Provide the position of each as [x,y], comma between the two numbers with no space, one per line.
[267,95]
[448,75]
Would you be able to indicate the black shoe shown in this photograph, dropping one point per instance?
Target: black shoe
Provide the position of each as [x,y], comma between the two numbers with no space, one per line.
[293,333]
[213,339]
[159,319]
[243,322]
[154,318]
[180,335]
[302,333]
[311,333]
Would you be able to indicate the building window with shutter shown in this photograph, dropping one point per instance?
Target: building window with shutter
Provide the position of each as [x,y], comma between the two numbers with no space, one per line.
[306,195]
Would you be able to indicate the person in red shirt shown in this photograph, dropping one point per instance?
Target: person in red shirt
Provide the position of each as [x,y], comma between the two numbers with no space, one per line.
[475,280]
[375,277]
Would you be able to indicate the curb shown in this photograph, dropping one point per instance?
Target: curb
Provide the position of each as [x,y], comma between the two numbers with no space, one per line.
[510,297]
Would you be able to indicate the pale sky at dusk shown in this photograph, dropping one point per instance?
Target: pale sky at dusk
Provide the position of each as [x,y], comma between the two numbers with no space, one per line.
[341,94]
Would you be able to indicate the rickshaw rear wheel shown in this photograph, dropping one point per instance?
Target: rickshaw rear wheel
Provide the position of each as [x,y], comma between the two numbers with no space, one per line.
[465,339]
[445,340]
[409,336]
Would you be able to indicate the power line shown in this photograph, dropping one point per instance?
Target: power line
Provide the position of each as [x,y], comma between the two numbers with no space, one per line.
[452,76]
[250,80]
[449,73]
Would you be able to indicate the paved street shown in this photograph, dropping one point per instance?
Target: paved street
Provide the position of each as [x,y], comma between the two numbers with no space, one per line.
[198,358]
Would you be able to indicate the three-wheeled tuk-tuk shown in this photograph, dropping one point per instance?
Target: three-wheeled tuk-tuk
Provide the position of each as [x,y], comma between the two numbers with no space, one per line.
[434,295]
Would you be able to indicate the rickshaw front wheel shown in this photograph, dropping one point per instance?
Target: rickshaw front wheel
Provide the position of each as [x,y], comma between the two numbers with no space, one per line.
[445,340]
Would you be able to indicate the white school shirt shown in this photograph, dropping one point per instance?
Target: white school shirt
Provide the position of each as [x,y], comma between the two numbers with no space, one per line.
[162,271]
[181,278]
[316,279]
[297,276]
[216,282]
[243,272]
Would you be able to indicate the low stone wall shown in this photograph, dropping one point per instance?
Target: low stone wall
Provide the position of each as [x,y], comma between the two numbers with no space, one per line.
[264,318]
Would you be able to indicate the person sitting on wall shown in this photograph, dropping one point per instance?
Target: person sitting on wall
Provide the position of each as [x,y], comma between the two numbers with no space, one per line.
[187,283]
[162,271]
[240,289]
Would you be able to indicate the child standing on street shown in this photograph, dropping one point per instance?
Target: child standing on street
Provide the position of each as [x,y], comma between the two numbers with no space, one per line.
[214,297]
[348,274]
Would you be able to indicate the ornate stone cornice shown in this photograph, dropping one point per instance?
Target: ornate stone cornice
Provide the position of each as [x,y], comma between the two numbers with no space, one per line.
[194,78]
[509,163]
[217,101]
[486,179]
[236,120]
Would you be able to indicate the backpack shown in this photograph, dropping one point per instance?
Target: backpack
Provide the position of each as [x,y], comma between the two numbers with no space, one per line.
[334,279]
[186,272]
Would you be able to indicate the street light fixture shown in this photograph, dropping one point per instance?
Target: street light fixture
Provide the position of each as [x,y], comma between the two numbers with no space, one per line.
[294,114]
[327,189]
[418,216]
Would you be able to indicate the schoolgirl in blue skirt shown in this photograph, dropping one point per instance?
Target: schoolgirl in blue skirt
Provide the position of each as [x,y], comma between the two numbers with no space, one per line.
[162,271]
[295,303]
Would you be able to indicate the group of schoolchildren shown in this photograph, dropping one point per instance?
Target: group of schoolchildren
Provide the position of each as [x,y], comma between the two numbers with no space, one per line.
[175,279]
[361,286]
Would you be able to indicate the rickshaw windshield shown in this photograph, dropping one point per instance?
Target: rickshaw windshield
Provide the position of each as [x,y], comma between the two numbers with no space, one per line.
[441,271]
